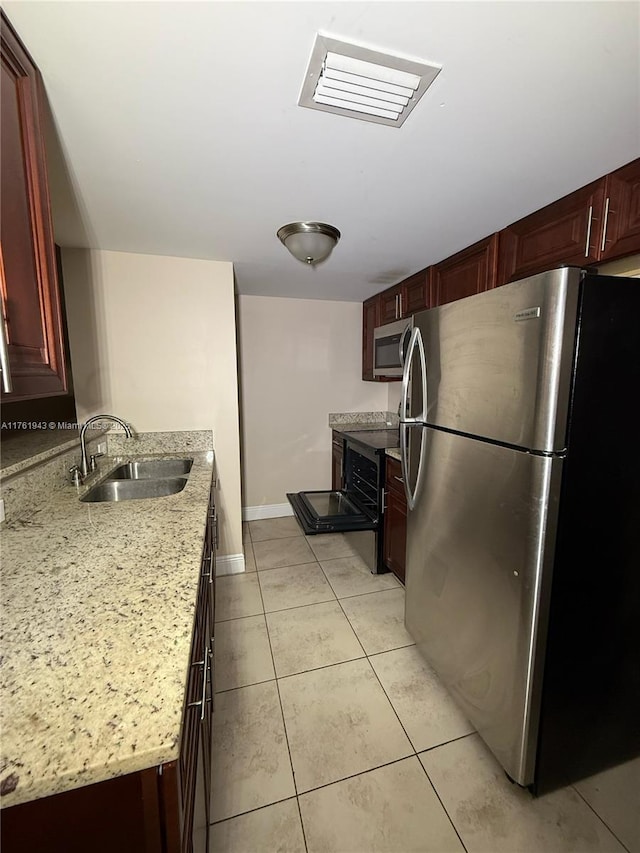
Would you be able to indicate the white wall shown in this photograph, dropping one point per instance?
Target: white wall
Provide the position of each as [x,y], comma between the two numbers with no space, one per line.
[299,360]
[152,340]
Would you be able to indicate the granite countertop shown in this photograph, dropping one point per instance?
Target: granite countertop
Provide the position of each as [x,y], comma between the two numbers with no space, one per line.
[394,453]
[98,603]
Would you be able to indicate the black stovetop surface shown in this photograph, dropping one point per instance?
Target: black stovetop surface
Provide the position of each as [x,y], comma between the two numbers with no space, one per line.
[377,439]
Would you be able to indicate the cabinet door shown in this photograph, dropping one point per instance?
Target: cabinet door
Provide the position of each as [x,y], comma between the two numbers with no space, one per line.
[28,277]
[395,520]
[337,454]
[466,273]
[370,319]
[564,233]
[389,305]
[621,218]
[415,293]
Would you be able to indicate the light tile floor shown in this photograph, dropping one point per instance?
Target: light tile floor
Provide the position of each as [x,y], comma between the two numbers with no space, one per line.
[332,735]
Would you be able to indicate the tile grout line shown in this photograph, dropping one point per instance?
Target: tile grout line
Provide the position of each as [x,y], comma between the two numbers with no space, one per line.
[600,818]
[284,723]
[444,809]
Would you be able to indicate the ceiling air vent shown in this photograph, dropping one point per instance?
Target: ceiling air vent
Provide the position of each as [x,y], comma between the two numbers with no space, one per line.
[356,82]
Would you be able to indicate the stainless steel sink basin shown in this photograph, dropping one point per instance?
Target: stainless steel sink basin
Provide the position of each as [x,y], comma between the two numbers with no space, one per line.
[128,490]
[151,469]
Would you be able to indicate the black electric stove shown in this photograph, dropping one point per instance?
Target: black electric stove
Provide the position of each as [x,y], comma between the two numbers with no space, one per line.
[356,509]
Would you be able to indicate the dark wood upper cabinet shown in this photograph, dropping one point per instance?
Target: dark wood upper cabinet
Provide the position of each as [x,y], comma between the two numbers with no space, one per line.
[405,298]
[621,218]
[390,305]
[466,273]
[415,293]
[31,306]
[565,233]
[370,319]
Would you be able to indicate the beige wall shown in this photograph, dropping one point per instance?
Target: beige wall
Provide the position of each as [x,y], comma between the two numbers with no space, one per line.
[299,360]
[152,340]
[625,266]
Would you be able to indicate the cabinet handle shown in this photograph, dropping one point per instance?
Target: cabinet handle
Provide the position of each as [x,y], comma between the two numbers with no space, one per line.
[384,501]
[205,677]
[400,302]
[604,227]
[7,385]
[208,574]
[586,248]
[399,479]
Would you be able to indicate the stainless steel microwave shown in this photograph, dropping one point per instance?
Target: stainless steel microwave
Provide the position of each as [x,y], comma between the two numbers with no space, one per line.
[389,345]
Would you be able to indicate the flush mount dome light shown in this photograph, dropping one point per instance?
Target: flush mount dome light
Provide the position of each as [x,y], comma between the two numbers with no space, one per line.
[309,242]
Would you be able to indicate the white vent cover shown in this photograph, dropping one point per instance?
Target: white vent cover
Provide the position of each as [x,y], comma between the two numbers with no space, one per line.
[356,82]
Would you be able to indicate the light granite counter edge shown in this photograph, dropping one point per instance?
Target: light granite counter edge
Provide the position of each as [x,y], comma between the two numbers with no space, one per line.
[93,596]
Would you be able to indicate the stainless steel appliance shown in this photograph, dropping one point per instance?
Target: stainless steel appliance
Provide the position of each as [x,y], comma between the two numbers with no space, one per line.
[521,465]
[389,346]
[356,510]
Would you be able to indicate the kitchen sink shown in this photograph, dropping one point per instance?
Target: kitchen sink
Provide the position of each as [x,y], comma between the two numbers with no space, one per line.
[127,489]
[151,469]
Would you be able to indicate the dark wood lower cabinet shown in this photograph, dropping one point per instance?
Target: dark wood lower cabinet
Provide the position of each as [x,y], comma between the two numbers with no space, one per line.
[164,809]
[337,457]
[395,519]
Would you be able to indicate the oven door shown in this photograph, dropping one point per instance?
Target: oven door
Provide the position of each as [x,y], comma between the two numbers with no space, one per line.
[330,512]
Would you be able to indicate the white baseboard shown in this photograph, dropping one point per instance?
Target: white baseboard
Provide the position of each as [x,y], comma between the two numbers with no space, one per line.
[230,564]
[254,513]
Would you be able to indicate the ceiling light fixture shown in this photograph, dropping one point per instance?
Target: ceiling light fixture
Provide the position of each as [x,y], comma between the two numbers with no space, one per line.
[309,242]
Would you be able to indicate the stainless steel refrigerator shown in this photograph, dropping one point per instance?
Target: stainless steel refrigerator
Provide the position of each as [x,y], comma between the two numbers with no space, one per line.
[519,442]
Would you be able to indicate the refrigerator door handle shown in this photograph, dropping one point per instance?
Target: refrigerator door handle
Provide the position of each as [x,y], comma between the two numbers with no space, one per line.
[412,494]
[415,341]
[406,422]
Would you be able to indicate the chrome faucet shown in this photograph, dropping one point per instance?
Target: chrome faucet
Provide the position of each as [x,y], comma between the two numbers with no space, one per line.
[85,467]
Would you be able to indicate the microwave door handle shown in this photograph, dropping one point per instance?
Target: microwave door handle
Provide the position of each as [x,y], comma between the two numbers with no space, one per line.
[402,348]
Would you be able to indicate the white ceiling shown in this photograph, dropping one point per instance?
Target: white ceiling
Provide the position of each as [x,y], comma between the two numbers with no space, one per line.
[181,134]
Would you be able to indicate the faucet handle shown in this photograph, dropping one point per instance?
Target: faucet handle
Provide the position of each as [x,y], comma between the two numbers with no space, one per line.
[92,460]
[76,475]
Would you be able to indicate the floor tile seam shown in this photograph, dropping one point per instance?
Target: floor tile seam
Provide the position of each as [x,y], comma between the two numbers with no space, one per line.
[445,743]
[373,592]
[277,538]
[444,808]
[392,705]
[235,618]
[293,565]
[251,811]
[354,631]
[284,726]
[283,609]
[242,686]
[301,606]
[360,773]
[357,594]
[318,668]
[394,649]
[601,819]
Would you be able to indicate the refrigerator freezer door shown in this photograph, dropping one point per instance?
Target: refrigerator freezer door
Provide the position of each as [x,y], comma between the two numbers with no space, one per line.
[479,551]
[499,363]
